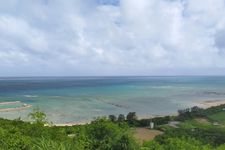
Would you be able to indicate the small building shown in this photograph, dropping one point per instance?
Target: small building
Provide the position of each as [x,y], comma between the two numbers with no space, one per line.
[152,125]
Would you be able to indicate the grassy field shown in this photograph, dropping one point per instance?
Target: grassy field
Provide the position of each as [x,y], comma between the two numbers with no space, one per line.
[218,117]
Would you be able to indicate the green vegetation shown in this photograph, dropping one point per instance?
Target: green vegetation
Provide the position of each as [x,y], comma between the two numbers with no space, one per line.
[195,131]
[101,134]
[218,117]
[38,116]
[132,120]
[176,144]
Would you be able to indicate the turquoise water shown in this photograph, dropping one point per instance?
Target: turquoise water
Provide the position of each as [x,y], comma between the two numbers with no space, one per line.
[4,106]
[75,99]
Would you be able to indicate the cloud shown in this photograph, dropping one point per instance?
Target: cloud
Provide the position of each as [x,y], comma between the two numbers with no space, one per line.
[219,41]
[112,37]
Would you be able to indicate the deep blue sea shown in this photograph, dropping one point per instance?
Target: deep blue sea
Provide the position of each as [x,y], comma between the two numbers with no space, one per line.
[77,99]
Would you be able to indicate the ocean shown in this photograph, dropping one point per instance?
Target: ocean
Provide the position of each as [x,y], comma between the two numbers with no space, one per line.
[80,99]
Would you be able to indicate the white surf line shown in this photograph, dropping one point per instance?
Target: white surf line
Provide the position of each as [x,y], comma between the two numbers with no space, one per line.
[6,103]
[24,106]
[15,109]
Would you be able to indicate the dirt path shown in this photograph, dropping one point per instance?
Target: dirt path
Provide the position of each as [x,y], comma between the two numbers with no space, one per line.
[144,134]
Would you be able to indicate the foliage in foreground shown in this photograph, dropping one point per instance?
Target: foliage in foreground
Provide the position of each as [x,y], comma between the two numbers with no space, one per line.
[179,144]
[113,133]
[176,144]
[101,134]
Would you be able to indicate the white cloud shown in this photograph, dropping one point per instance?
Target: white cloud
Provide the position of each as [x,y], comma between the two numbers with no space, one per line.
[105,37]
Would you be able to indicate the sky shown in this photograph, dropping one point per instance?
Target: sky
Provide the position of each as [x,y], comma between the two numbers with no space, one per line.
[112,37]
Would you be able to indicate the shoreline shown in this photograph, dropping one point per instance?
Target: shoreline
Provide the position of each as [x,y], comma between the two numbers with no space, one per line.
[209,103]
[71,123]
[202,104]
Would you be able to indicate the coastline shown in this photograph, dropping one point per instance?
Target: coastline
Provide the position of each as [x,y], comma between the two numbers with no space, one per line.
[72,123]
[202,104]
[209,103]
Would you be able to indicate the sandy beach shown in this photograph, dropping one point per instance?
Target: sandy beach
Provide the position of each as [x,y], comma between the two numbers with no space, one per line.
[209,103]
[72,123]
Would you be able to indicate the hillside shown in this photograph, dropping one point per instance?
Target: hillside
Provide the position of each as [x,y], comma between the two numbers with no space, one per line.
[195,129]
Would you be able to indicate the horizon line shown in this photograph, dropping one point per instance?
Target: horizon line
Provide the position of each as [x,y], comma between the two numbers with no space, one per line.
[74,76]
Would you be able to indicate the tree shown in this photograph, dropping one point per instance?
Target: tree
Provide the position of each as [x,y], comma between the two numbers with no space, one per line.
[131,118]
[103,134]
[121,118]
[37,116]
[112,118]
